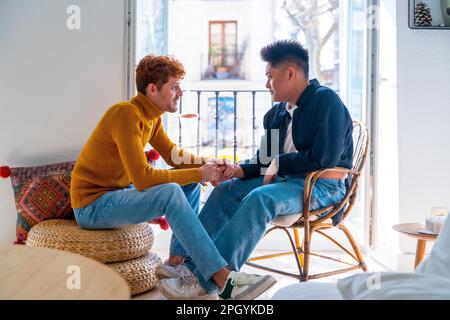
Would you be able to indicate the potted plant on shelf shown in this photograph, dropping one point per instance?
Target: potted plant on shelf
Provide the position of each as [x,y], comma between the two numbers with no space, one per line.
[223,70]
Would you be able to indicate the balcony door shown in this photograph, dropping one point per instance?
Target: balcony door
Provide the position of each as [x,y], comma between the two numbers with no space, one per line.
[222,46]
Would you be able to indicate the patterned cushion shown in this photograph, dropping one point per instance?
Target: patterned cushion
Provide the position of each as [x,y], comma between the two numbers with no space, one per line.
[41,193]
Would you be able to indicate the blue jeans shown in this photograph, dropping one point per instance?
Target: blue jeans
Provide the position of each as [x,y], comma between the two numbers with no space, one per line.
[236,216]
[180,205]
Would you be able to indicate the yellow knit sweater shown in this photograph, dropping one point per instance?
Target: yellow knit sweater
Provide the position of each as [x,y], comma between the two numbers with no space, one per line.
[113,157]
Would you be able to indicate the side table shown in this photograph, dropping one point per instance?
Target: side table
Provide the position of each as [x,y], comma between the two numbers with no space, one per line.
[412,230]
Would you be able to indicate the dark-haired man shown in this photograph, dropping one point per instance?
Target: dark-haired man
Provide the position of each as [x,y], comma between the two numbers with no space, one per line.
[312,130]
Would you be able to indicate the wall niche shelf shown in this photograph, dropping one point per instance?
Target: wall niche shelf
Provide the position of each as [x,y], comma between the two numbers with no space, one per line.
[437,10]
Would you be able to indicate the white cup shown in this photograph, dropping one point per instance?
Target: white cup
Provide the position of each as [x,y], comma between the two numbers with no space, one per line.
[439,211]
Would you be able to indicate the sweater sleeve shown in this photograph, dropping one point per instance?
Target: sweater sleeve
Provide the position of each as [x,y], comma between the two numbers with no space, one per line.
[172,155]
[328,144]
[126,131]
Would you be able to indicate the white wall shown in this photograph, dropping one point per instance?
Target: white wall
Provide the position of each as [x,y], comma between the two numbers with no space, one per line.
[55,83]
[423,94]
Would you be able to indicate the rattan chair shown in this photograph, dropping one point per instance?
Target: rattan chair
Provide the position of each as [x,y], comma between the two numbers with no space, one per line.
[310,222]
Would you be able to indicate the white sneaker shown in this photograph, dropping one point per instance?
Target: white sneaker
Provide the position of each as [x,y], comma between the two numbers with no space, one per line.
[185,287]
[165,270]
[244,286]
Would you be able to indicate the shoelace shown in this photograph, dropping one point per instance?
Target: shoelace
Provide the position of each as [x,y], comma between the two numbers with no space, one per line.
[243,278]
[182,270]
[188,281]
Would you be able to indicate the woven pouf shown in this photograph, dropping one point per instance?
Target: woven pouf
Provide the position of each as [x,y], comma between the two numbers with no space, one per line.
[113,245]
[140,273]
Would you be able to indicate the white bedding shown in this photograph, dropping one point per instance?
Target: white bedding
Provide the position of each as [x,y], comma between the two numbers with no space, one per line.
[371,286]
[430,281]
[309,291]
[394,286]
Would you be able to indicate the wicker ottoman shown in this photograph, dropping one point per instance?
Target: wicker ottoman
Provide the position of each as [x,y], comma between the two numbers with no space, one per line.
[126,249]
[140,273]
[106,246]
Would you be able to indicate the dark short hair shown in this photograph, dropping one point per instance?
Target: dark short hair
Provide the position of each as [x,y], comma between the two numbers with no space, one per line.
[283,51]
[156,70]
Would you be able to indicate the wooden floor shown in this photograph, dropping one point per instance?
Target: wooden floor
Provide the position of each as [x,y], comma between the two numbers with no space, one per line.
[287,264]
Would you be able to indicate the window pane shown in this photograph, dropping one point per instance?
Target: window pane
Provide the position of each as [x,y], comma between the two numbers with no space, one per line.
[230,28]
[316,25]
[216,40]
[150,32]
[230,41]
[216,28]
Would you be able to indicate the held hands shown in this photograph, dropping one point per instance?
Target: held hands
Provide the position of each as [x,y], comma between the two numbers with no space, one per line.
[229,172]
[210,172]
[219,170]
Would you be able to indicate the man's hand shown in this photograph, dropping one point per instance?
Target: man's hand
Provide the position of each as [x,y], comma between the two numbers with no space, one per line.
[268,178]
[234,172]
[271,173]
[228,170]
[218,162]
[210,172]
[238,172]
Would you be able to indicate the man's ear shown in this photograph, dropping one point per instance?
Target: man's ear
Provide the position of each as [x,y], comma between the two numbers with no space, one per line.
[151,89]
[292,73]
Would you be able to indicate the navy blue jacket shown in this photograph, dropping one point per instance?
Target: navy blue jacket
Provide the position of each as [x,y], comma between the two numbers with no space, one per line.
[321,132]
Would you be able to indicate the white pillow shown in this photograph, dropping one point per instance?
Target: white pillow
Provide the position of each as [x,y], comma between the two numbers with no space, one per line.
[438,262]
[308,291]
[394,286]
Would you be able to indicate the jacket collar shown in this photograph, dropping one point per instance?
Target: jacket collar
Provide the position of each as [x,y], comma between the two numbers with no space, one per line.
[308,93]
[149,109]
[304,97]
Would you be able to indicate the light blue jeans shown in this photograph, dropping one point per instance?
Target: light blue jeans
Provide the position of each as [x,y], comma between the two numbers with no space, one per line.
[236,215]
[180,205]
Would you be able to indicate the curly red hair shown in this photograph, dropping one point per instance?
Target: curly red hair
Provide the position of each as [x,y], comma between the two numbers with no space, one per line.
[157,70]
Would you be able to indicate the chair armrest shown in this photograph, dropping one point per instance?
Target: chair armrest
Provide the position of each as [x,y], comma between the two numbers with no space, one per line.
[310,182]
[316,174]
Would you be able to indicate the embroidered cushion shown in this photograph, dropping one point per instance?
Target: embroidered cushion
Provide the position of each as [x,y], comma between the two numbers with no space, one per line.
[41,193]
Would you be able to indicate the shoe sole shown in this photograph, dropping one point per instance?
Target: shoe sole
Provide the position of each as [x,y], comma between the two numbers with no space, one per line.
[266,284]
[169,296]
[163,274]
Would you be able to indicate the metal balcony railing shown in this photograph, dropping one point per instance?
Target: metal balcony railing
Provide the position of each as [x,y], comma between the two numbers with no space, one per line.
[217,93]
